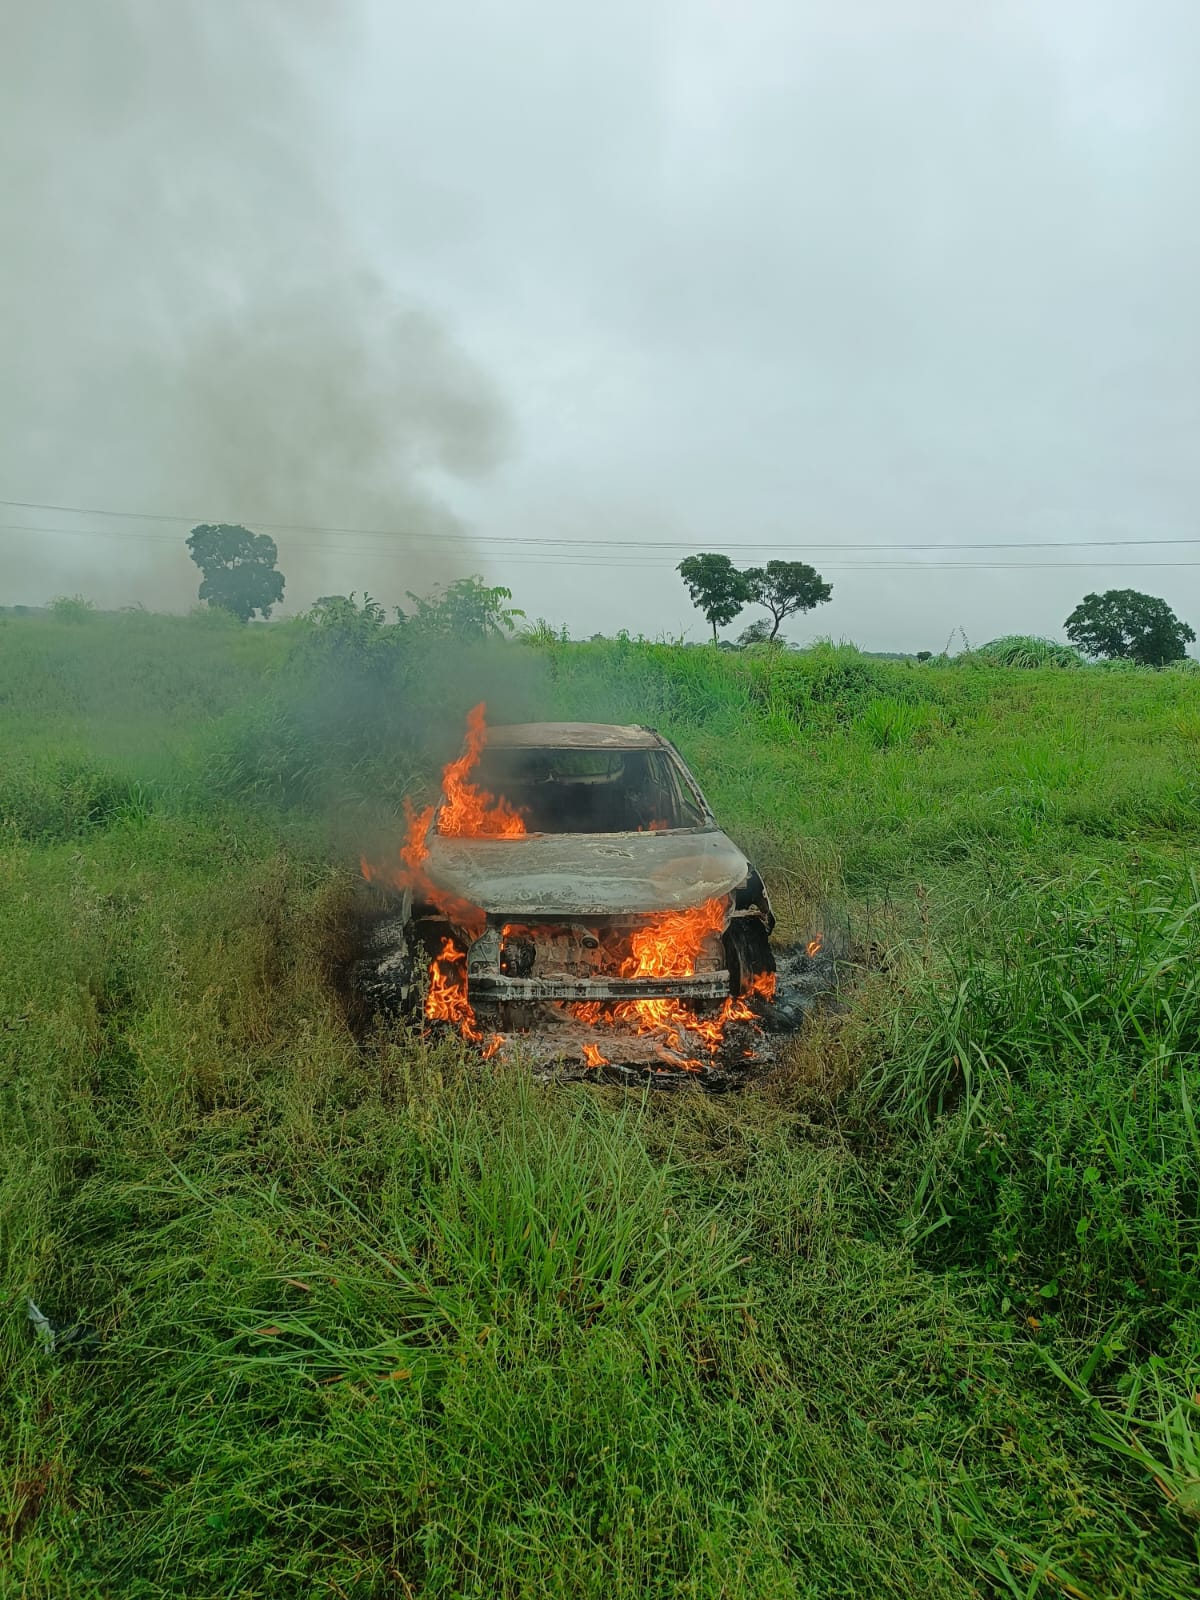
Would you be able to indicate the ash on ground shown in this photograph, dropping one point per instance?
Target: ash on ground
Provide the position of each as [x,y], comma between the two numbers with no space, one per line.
[384,982]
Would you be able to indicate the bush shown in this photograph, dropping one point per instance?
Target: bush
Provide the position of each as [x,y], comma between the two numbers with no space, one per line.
[72,608]
[1029,651]
[835,683]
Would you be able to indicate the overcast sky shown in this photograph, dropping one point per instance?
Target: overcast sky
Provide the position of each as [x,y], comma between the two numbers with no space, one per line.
[766,277]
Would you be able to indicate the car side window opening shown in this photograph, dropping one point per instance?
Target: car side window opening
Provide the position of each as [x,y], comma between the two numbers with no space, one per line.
[591,791]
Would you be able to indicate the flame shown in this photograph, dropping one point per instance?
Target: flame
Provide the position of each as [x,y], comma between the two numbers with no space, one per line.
[468,810]
[447,998]
[669,946]
[415,849]
[814,946]
[592,1056]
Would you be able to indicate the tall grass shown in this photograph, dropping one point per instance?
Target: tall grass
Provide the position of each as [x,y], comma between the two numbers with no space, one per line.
[1050,1077]
[917,1316]
[1027,651]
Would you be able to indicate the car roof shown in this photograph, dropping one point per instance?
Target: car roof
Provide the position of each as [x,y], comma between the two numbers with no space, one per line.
[573,736]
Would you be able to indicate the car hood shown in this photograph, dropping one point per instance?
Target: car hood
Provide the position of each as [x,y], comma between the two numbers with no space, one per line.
[587,874]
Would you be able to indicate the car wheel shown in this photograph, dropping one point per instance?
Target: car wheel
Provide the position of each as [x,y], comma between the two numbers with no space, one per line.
[748,953]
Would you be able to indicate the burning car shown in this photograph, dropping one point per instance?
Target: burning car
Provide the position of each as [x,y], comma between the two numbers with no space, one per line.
[572,893]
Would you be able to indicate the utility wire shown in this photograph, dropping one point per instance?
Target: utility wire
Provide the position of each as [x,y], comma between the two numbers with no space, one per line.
[572,543]
[595,558]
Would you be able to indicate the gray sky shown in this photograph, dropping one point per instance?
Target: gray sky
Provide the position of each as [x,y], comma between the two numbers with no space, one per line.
[688,275]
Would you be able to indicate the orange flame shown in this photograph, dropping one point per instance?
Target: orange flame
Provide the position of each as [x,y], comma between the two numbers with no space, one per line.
[447,998]
[814,946]
[415,848]
[762,986]
[592,1056]
[670,947]
[469,810]
[466,810]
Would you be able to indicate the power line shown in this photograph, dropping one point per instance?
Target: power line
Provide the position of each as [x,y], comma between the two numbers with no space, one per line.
[581,543]
[594,558]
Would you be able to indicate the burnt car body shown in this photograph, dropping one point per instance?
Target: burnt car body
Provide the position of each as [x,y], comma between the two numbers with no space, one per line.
[617,836]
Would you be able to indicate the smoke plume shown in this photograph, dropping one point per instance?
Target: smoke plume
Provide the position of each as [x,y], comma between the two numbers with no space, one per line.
[190,325]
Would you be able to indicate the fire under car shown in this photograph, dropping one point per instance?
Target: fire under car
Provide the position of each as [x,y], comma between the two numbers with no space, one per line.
[571,894]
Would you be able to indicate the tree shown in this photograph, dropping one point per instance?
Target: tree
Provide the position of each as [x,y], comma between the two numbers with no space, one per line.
[716,586]
[468,608]
[1122,624]
[238,568]
[357,639]
[785,587]
[756,632]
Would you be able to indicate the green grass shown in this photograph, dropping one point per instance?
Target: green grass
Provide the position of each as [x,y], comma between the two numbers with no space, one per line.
[1026,650]
[918,1316]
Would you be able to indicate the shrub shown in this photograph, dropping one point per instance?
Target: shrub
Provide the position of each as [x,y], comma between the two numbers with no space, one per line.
[72,608]
[1027,650]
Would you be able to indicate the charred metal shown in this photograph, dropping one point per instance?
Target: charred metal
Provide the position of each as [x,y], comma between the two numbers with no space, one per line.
[572,874]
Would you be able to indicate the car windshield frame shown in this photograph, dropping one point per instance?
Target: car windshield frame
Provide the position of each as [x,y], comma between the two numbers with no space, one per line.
[663,770]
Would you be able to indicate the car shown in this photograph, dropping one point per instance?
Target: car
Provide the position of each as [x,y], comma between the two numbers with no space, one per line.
[572,880]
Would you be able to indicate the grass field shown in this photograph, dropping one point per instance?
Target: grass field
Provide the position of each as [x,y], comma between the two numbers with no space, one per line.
[918,1315]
